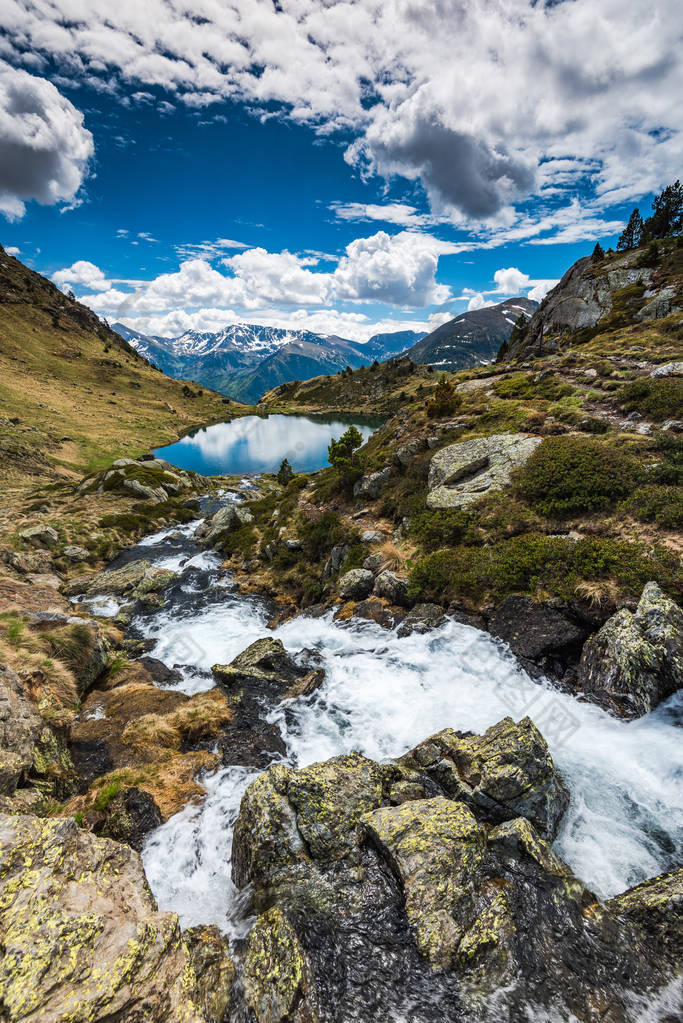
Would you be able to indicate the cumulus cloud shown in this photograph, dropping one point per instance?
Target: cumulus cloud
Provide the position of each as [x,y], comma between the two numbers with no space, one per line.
[82,273]
[45,149]
[398,270]
[434,92]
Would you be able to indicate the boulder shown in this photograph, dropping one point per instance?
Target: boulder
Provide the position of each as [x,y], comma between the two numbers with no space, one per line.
[506,773]
[371,486]
[135,579]
[374,562]
[636,659]
[75,554]
[40,536]
[38,561]
[129,817]
[356,584]
[461,473]
[392,588]
[670,369]
[371,536]
[422,618]
[84,940]
[266,665]
[537,631]
[226,519]
[660,305]
[656,906]
[405,454]
[154,494]
[20,730]
[382,894]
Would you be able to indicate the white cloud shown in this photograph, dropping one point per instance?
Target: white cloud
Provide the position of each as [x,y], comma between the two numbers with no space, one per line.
[540,290]
[510,280]
[82,273]
[434,92]
[388,213]
[45,149]
[398,269]
[12,250]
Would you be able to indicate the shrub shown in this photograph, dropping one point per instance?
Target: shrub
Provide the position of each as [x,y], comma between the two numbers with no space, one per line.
[659,504]
[321,535]
[569,475]
[342,458]
[541,564]
[522,385]
[434,530]
[445,400]
[658,399]
[285,473]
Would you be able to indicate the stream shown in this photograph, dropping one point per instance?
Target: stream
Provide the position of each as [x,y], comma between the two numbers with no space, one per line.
[382,695]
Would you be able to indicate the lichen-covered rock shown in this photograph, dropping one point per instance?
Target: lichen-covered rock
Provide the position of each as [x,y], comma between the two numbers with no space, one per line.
[636,659]
[226,519]
[40,536]
[461,473]
[267,665]
[392,588]
[135,579]
[75,554]
[129,817]
[82,938]
[382,900]
[276,972]
[669,369]
[39,561]
[505,773]
[659,305]
[356,584]
[422,618]
[20,730]
[371,486]
[435,846]
[656,906]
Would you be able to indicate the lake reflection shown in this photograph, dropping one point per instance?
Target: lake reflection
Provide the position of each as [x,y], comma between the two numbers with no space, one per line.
[255,444]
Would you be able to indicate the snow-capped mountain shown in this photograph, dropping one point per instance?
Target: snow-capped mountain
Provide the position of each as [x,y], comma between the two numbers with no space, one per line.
[245,360]
[472,338]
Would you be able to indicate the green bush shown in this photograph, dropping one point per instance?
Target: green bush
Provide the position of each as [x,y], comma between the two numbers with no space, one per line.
[320,536]
[238,541]
[658,399]
[669,471]
[445,400]
[433,530]
[659,504]
[570,475]
[541,564]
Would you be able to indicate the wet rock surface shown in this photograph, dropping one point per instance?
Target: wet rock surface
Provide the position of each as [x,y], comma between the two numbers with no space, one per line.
[266,666]
[84,941]
[636,659]
[548,635]
[383,896]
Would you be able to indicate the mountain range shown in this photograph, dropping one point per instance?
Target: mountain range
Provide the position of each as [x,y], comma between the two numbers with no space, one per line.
[245,360]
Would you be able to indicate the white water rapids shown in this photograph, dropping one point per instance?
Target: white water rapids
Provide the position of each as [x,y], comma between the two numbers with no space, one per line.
[383,694]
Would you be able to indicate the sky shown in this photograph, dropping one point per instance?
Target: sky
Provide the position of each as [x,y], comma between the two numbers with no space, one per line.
[342,167]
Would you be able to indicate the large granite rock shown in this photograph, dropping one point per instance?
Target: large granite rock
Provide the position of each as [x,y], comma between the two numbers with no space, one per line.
[371,486]
[384,897]
[392,587]
[83,940]
[20,729]
[136,579]
[461,473]
[224,521]
[636,659]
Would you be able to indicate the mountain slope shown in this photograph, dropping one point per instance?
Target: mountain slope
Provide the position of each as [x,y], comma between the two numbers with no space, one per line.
[246,360]
[472,338]
[73,394]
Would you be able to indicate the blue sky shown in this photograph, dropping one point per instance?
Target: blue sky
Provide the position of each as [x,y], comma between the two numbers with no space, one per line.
[342,167]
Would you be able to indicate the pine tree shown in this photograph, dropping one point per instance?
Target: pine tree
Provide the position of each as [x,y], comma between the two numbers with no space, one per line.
[598,253]
[631,236]
[667,213]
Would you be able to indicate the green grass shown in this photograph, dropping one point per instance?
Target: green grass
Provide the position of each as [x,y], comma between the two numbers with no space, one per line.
[657,400]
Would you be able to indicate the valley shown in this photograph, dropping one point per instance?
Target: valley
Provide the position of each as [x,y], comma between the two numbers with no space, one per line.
[416,712]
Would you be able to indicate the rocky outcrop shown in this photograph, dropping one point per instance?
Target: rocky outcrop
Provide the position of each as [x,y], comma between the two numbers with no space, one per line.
[506,773]
[40,536]
[384,893]
[422,618]
[669,369]
[84,941]
[636,659]
[356,584]
[584,296]
[461,473]
[265,666]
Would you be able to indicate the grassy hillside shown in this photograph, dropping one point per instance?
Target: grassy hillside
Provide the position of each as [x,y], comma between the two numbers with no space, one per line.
[73,395]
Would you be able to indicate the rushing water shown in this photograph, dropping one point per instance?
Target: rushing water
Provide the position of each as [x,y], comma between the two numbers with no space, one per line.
[253,444]
[382,695]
